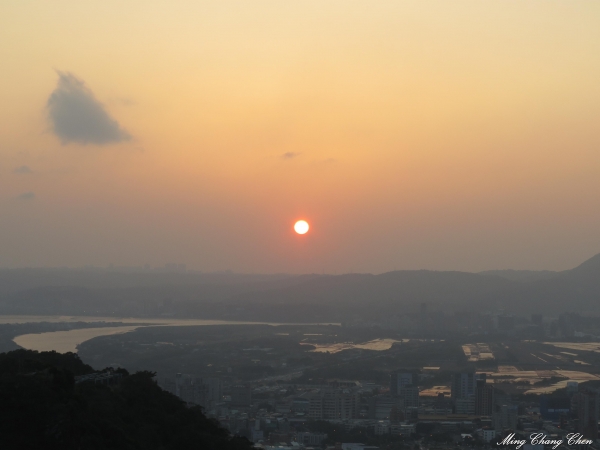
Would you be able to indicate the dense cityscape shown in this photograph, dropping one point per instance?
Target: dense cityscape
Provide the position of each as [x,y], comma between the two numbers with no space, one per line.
[434,406]
[423,376]
[405,374]
[320,387]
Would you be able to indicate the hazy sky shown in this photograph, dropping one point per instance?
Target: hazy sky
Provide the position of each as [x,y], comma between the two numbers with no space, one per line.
[410,134]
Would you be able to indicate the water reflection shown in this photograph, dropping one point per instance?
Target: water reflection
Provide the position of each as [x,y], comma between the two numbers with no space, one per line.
[66,341]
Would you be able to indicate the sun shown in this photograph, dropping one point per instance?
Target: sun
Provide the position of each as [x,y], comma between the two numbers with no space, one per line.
[301,227]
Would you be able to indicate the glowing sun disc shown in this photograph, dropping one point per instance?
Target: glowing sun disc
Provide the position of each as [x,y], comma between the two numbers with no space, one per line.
[301,227]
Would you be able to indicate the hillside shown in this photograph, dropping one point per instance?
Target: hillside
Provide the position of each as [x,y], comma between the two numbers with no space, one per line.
[41,407]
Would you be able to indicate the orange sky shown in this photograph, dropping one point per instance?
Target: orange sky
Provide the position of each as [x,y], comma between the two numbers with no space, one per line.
[455,135]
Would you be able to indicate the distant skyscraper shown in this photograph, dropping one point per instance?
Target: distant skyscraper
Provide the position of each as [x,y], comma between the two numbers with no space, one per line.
[484,398]
[463,392]
[465,405]
[588,412]
[463,385]
[409,396]
[399,380]
[567,324]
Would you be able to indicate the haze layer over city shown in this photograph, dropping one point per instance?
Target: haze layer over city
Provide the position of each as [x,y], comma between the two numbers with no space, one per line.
[341,225]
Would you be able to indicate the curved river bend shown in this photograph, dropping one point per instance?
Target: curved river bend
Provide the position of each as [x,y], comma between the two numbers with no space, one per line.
[67,341]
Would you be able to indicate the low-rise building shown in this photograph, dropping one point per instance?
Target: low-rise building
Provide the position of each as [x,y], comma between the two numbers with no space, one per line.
[488,434]
[311,439]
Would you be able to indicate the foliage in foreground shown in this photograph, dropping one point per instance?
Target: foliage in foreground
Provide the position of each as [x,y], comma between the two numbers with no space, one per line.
[41,407]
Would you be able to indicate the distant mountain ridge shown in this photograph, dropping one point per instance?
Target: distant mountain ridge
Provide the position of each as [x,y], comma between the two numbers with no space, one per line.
[299,298]
[521,275]
[588,267]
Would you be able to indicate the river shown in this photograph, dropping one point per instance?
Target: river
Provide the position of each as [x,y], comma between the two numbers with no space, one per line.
[67,341]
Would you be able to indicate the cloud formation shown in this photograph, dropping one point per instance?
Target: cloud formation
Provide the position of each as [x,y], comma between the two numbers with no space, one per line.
[290,155]
[21,170]
[76,115]
[26,196]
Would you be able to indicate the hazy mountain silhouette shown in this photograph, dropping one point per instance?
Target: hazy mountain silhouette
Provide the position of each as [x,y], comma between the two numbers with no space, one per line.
[589,268]
[298,298]
[521,275]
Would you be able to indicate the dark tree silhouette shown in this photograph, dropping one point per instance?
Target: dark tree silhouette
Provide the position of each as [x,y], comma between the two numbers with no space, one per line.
[41,407]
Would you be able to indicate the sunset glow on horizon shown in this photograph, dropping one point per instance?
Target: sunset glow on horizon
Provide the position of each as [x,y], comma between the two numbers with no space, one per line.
[423,134]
